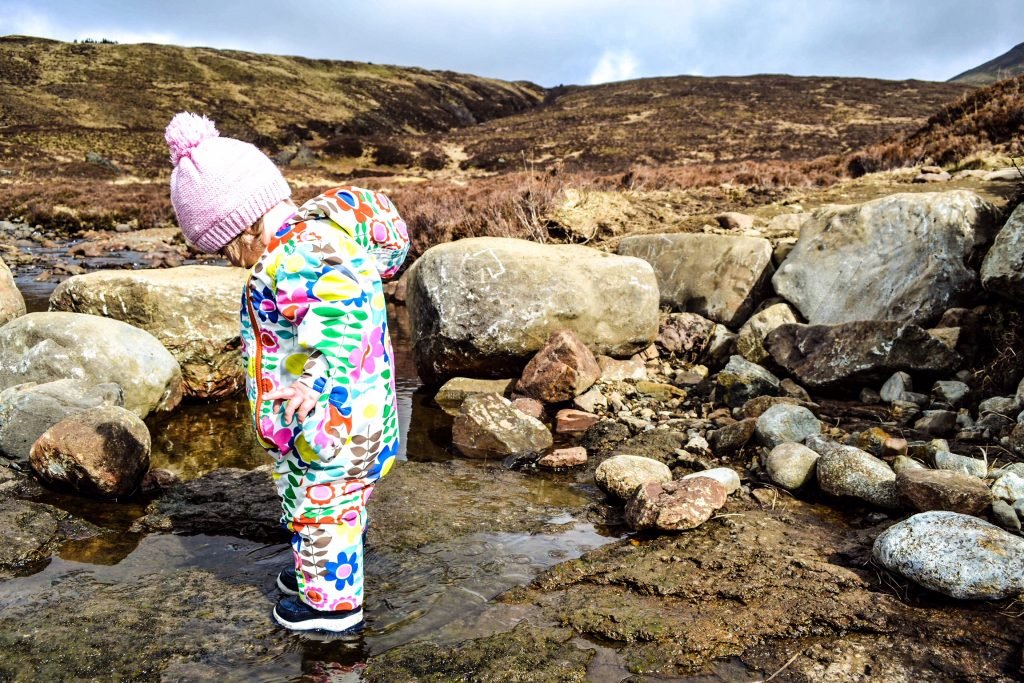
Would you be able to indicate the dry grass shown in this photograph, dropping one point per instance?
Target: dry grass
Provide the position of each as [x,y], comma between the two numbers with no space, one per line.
[990,120]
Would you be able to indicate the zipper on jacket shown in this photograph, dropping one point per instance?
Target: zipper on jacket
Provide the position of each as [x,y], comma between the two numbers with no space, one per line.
[259,359]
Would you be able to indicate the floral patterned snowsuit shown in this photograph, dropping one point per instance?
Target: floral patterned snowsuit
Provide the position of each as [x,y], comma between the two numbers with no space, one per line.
[313,311]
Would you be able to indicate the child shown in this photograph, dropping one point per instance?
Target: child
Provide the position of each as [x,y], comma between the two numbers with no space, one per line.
[315,341]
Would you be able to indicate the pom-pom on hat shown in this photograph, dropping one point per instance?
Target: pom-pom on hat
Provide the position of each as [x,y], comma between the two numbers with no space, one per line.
[219,186]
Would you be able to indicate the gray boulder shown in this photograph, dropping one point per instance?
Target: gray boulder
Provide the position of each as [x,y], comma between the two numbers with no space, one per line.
[1009,487]
[28,410]
[953,462]
[12,304]
[483,306]
[750,341]
[785,423]
[958,555]
[791,465]
[864,351]
[487,425]
[903,258]
[740,380]
[43,347]
[98,451]
[1002,272]
[192,310]
[848,471]
[620,475]
[720,277]
[896,387]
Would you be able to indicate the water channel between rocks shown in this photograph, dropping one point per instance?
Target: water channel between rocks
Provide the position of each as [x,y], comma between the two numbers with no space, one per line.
[479,531]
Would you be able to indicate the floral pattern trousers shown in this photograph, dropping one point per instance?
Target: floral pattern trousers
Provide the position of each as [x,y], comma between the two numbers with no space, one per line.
[327,544]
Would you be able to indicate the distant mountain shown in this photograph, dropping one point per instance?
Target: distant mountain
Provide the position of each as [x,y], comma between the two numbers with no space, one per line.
[1004,66]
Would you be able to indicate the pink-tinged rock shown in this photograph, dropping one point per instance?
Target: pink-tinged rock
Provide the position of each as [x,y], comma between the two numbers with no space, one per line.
[675,505]
[488,426]
[529,406]
[565,457]
[101,451]
[570,421]
[560,371]
[612,369]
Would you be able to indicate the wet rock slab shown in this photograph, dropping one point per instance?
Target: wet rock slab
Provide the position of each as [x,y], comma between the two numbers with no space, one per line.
[764,585]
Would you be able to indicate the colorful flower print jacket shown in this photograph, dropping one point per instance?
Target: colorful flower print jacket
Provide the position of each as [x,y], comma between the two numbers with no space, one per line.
[313,310]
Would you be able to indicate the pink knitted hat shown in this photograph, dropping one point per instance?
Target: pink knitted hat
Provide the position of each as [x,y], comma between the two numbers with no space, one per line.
[219,186]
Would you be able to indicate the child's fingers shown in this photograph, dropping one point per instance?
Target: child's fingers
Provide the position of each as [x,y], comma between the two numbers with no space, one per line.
[308,403]
[281,392]
[293,404]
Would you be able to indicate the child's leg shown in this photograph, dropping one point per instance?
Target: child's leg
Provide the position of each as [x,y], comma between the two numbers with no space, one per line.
[327,546]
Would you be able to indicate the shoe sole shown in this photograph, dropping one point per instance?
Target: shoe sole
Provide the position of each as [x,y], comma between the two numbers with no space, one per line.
[350,624]
[283,588]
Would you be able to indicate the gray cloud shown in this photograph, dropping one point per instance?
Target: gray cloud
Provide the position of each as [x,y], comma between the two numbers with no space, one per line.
[567,41]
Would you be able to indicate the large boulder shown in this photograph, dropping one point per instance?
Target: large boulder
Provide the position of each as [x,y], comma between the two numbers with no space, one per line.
[483,306]
[863,351]
[903,257]
[12,304]
[487,426]
[1002,272]
[27,410]
[43,347]
[100,451]
[721,277]
[958,555]
[192,310]
[562,370]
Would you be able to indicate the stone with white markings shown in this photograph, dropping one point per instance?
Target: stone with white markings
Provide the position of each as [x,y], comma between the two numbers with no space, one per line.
[958,555]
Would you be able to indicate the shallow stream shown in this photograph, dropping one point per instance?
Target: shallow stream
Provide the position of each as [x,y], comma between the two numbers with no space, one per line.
[125,601]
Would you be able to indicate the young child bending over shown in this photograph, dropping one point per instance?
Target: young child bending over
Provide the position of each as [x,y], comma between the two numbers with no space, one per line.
[320,377]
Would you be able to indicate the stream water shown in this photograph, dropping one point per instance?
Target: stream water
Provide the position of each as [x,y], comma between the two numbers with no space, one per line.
[482,540]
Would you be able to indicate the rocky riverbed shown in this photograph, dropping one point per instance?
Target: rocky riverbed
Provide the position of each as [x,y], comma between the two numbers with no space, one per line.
[708,459]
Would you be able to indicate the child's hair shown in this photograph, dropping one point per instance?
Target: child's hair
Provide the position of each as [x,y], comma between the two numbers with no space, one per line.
[233,249]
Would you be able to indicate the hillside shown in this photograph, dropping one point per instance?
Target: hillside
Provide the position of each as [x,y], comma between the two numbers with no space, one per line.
[686,120]
[60,100]
[988,121]
[1010,63]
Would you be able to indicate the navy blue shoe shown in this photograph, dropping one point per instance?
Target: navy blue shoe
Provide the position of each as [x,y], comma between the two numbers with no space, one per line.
[296,615]
[286,581]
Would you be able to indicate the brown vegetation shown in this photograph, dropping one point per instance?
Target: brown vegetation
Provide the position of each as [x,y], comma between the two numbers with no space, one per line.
[989,120]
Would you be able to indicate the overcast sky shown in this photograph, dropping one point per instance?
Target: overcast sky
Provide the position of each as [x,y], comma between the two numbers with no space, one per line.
[566,41]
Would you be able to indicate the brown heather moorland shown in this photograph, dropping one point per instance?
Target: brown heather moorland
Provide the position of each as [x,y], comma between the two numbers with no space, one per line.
[81,136]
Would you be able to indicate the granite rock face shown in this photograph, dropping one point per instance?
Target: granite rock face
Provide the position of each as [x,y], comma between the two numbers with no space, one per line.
[902,258]
[483,306]
[720,277]
[192,310]
[43,347]
[862,351]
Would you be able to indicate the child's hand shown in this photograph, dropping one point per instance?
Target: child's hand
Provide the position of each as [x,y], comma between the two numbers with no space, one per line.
[300,400]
